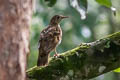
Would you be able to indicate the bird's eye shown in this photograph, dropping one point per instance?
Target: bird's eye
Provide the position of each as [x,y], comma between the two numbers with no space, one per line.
[58,17]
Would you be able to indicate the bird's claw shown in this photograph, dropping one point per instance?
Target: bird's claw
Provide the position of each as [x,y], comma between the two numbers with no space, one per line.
[56,55]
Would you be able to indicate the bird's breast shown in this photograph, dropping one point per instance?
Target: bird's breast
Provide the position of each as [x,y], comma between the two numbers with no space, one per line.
[60,36]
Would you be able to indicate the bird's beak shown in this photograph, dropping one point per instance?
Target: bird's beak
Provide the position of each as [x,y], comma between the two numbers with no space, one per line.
[64,17]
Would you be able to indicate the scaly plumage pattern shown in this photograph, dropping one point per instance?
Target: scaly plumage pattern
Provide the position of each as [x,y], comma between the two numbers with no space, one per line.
[50,37]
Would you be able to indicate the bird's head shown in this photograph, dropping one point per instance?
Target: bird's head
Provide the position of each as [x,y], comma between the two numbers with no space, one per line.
[56,19]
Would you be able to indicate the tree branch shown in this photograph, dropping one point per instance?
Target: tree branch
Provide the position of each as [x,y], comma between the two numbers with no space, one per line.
[86,61]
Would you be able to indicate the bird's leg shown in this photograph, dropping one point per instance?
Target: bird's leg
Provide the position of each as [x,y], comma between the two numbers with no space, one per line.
[56,54]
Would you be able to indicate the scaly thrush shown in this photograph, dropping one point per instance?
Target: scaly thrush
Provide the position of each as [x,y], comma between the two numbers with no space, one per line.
[50,37]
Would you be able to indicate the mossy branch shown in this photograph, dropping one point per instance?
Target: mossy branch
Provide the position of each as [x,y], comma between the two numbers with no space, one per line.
[86,61]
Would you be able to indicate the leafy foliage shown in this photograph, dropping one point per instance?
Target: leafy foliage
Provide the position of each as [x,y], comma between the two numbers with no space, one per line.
[50,3]
[106,3]
[117,70]
[80,6]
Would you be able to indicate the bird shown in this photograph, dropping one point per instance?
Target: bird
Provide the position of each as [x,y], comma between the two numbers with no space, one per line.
[50,38]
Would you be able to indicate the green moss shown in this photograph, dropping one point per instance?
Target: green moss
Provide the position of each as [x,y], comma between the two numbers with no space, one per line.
[81,47]
[114,36]
[78,60]
[62,64]
[107,45]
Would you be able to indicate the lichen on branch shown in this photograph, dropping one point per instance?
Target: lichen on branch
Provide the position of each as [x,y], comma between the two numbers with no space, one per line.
[86,61]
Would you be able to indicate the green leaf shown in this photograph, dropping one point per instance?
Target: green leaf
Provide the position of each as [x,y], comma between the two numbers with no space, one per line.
[83,4]
[106,3]
[117,70]
[80,6]
[50,3]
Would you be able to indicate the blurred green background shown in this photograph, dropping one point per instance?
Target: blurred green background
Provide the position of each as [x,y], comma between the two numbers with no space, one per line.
[99,23]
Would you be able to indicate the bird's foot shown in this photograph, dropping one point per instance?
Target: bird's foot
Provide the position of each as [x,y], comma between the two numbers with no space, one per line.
[56,55]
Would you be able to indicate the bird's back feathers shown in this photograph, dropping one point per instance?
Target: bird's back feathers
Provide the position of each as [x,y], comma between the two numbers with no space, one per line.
[42,58]
[49,39]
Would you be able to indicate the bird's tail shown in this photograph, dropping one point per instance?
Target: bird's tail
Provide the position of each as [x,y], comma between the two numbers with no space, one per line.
[42,59]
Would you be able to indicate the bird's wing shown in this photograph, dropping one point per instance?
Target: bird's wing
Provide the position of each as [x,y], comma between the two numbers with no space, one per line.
[46,38]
